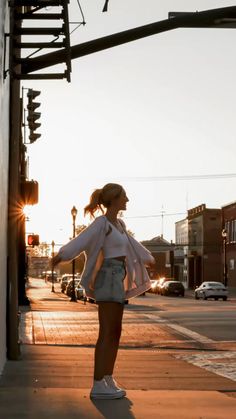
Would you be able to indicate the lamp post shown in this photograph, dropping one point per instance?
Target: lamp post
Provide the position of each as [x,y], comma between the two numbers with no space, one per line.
[73,296]
[52,244]
[225,273]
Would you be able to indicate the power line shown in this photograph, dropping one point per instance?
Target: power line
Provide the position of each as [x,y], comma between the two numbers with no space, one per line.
[156,215]
[81,12]
[179,177]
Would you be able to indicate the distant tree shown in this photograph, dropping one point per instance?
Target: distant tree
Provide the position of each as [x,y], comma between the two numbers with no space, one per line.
[43,249]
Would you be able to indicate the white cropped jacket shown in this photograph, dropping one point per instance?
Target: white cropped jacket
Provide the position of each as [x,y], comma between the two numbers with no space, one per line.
[91,241]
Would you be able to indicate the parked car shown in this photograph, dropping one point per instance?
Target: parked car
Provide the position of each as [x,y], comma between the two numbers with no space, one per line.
[211,289]
[48,276]
[173,288]
[64,281]
[69,286]
[160,284]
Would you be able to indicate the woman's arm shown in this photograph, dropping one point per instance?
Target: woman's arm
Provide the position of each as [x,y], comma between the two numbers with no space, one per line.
[80,243]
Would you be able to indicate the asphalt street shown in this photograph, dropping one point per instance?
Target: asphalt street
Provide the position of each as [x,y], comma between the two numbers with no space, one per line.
[213,319]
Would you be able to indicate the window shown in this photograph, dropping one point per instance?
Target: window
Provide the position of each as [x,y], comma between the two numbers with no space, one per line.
[234,230]
[230,227]
[231,264]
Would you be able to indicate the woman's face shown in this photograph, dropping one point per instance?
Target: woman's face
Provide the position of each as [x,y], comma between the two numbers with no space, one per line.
[121,201]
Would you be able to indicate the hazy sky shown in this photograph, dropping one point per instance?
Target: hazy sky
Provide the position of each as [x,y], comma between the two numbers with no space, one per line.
[160,106]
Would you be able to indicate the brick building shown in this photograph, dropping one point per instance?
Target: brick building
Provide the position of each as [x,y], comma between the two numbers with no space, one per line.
[181,251]
[199,237]
[229,224]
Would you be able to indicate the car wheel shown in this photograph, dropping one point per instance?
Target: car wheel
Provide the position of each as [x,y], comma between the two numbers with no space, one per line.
[225,298]
[204,296]
[216,298]
[182,295]
[196,296]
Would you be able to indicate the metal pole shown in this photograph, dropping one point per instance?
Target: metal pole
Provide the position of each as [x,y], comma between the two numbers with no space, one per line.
[206,18]
[53,244]
[73,296]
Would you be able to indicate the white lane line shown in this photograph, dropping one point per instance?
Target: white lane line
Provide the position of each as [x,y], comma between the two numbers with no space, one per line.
[182,330]
[219,364]
[194,335]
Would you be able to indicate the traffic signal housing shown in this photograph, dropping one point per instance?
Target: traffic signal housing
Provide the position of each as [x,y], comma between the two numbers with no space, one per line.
[33,240]
[32,115]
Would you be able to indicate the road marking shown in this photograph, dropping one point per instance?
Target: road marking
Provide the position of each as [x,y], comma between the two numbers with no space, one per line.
[194,335]
[182,330]
[214,363]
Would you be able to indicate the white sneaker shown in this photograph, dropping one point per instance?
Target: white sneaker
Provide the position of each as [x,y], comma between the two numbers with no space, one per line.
[101,390]
[113,384]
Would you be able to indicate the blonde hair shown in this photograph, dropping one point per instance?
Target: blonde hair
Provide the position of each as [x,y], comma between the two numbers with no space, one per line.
[102,198]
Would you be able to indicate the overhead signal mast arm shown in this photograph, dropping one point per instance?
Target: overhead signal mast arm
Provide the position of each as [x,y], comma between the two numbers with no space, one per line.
[215,18]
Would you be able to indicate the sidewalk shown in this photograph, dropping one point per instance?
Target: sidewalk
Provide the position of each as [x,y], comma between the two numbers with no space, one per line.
[53,380]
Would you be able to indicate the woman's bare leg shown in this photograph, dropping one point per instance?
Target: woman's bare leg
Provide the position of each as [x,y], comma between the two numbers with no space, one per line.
[110,325]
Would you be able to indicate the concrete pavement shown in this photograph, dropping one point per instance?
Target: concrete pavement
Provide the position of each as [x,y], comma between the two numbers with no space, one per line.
[54,376]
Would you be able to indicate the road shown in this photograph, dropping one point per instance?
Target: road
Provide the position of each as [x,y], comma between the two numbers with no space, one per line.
[215,320]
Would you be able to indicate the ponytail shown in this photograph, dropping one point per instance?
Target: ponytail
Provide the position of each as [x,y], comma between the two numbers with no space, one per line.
[102,198]
[94,203]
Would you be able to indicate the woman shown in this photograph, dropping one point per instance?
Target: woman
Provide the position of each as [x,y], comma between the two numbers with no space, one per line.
[114,271]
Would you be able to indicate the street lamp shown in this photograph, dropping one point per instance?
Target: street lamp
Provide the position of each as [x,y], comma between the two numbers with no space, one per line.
[73,296]
[52,244]
[225,273]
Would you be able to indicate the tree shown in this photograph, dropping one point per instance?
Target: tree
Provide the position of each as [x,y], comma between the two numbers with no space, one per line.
[43,249]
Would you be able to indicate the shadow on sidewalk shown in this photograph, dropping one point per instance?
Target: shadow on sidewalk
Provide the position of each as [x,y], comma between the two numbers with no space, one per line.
[115,409]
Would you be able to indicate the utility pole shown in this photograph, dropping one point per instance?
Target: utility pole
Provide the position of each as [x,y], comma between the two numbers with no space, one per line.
[162,221]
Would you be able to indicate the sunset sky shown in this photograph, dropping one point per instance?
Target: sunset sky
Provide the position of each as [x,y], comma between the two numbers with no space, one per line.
[136,114]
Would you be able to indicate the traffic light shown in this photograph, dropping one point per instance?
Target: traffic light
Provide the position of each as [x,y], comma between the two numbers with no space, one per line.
[32,115]
[33,240]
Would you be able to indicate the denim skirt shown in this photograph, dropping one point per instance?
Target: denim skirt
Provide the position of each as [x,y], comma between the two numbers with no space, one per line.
[109,284]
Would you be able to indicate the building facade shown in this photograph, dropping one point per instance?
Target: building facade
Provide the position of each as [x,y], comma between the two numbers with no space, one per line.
[229,225]
[181,251]
[4,158]
[204,245]
[198,252]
